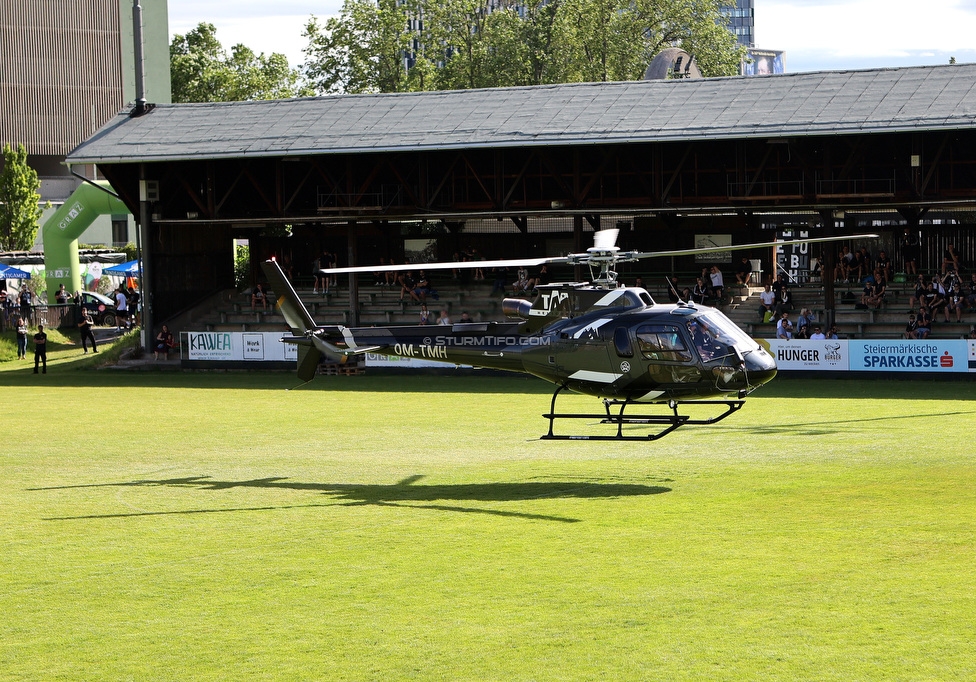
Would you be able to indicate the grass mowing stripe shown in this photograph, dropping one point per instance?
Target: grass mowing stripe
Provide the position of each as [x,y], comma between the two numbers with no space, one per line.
[412,528]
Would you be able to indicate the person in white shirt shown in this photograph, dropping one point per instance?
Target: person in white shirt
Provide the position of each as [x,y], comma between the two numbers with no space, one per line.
[767,299]
[784,328]
[121,309]
[817,334]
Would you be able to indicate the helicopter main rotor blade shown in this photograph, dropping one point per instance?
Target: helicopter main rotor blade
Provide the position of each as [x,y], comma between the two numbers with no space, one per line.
[460,265]
[604,251]
[640,255]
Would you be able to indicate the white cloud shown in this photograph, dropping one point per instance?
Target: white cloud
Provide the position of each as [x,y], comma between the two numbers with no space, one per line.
[261,25]
[866,29]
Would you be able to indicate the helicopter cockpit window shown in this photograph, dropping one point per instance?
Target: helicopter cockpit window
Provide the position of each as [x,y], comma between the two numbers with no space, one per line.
[621,341]
[662,342]
[708,339]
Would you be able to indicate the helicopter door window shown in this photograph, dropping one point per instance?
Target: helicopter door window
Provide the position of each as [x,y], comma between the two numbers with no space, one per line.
[662,343]
[621,341]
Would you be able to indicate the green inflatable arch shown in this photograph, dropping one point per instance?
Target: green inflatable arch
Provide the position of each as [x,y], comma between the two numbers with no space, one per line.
[61,231]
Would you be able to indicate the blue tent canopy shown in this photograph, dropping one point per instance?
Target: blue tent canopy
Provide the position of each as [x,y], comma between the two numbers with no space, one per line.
[129,268]
[10,272]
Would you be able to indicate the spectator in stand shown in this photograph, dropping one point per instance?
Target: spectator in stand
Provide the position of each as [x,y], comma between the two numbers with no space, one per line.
[479,272]
[883,263]
[743,274]
[911,329]
[910,251]
[424,314]
[521,284]
[832,332]
[858,268]
[378,275]
[866,258]
[919,295]
[804,323]
[717,283]
[971,292]
[542,277]
[465,318]
[817,334]
[767,302]
[674,293]
[500,281]
[319,280]
[444,319]
[842,265]
[701,292]
[390,276]
[328,261]
[936,297]
[407,285]
[955,299]
[923,323]
[259,295]
[423,289]
[874,291]
[784,297]
[784,328]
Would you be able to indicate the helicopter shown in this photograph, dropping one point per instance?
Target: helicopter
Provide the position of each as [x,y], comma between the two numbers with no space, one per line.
[597,338]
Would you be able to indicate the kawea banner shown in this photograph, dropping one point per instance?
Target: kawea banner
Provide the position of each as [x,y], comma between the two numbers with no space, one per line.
[236,346]
[870,355]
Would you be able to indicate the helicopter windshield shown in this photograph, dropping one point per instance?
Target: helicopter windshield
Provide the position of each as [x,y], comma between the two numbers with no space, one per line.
[726,331]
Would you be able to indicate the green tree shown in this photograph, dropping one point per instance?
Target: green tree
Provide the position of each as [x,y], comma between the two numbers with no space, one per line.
[202,71]
[362,49]
[19,201]
[391,46]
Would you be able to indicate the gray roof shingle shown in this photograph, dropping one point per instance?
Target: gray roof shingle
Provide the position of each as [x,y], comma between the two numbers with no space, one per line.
[831,102]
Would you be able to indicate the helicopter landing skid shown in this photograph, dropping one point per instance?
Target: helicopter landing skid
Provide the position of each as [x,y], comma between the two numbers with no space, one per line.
[670,422]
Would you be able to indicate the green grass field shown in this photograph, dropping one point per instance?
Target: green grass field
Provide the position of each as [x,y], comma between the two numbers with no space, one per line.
[215,526]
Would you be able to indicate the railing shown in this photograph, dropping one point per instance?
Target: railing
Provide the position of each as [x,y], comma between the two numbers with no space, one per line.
[761,189]
[856,187]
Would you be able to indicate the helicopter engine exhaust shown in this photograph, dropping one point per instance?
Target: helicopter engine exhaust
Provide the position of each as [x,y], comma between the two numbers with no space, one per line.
[516,308]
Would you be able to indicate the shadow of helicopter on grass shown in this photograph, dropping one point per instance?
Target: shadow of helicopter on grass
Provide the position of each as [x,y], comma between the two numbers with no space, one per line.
[401,494]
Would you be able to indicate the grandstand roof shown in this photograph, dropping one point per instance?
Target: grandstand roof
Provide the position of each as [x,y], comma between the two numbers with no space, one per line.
[821,103]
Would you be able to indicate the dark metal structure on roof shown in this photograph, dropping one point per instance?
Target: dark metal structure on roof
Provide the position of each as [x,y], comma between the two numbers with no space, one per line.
[679,156]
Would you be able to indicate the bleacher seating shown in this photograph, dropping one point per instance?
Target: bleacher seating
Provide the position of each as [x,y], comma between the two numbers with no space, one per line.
[382,306]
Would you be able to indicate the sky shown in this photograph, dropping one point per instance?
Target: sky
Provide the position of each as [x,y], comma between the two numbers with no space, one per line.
[817,35]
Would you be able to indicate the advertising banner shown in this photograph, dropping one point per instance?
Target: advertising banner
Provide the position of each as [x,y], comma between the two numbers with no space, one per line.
[938,355]
[803,354]
[236,346]
[871,355]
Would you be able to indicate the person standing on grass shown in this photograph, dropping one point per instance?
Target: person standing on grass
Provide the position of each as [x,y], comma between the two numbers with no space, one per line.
[121,308]
[22,338]
[40,348]
[85,327]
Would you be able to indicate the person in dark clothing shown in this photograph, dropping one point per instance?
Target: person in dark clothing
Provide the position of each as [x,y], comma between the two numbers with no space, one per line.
[85,327]
[40,348]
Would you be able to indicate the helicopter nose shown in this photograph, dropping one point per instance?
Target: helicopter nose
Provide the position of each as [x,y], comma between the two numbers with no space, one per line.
[760,366]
